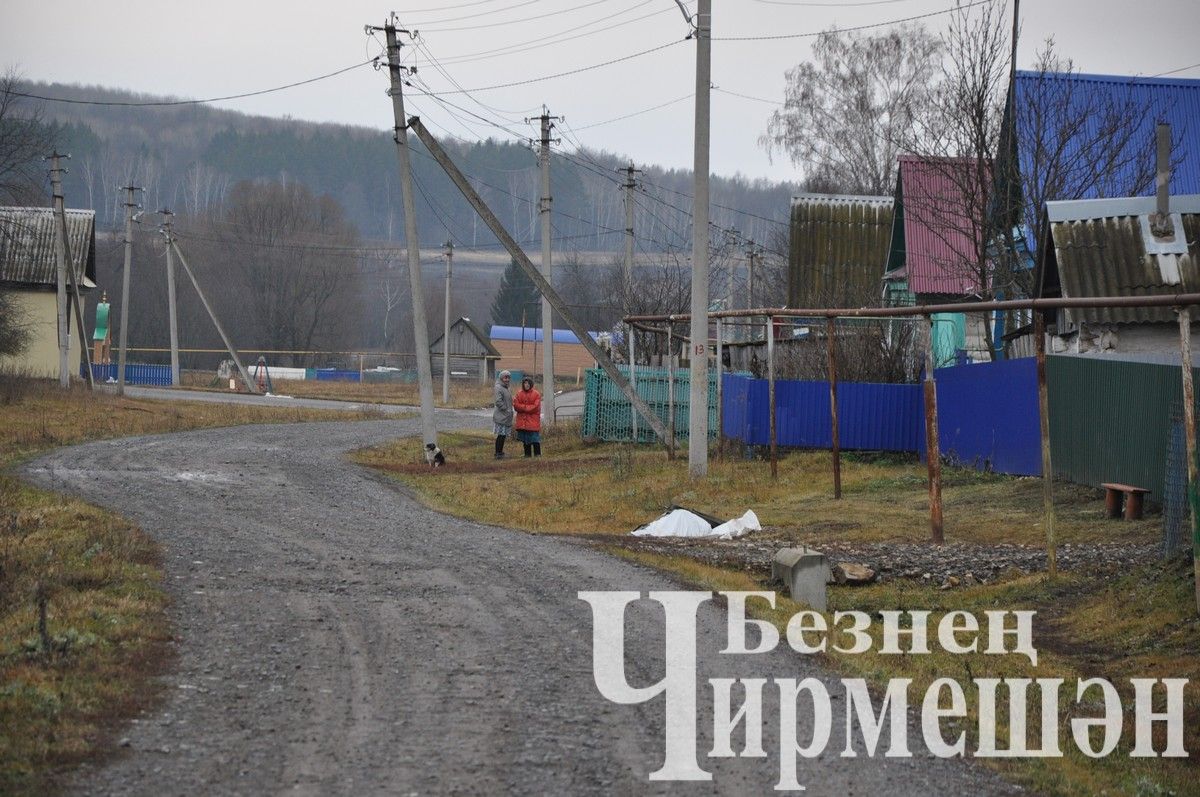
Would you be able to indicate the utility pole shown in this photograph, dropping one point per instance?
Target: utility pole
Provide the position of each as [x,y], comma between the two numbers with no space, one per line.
[237,361]
[630,184]
[130,205]
[547,270]
[698,409]
[66,273]
[417,296]
[514,250]
[446,325]
[751,254]
[171,306]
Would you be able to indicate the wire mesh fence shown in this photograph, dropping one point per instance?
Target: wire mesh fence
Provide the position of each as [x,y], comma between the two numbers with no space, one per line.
[607,414]
[1176,515]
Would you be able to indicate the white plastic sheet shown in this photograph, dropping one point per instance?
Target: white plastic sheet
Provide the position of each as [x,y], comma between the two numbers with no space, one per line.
[738,526]
[682,523]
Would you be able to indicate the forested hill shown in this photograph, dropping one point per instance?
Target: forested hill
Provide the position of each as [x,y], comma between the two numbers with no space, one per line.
[187,157]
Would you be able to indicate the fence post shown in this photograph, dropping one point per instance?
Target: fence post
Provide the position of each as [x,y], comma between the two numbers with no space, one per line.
[720,397]
[1039,332]
[771,395]
[831,348]
[1189,434]
[671,387]
[632,385]
[933,452]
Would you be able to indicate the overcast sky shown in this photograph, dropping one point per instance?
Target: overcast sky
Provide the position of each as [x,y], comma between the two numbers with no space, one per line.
[221,47]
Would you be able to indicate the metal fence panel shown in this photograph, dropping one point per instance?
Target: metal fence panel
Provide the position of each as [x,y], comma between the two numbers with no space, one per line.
[871,417]
[988,416]
[606,410]
[1110,421]
[135,373]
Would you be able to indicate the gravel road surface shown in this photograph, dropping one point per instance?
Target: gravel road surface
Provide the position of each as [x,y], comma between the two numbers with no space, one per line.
[335,637]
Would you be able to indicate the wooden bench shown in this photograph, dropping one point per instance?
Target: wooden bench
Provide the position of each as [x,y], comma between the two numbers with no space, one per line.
[1132,496]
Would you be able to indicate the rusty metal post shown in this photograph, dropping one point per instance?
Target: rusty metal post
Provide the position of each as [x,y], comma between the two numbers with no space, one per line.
[771,396]
[933,453]
[1189,433]
[671,387]
[1039,332]
[831,347]
[720,395]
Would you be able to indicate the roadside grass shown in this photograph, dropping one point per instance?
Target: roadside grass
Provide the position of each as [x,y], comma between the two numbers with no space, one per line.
[1140,623]
[66,683]
[580,488]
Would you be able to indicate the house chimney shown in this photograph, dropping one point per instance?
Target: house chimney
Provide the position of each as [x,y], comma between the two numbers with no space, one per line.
[1161,225]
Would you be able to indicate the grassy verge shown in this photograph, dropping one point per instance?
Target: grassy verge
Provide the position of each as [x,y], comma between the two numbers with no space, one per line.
[1137,623]
[83,626]
[610,489]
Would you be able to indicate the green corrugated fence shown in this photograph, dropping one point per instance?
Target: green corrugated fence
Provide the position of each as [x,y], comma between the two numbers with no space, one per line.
[1110,421]
[606,411]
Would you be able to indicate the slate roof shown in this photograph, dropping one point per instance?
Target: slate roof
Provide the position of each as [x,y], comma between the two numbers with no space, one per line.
[1103,247]
[838,243]
[28,248]
[934,237]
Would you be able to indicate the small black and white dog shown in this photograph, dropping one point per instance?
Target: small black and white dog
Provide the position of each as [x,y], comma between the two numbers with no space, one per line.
[434,455]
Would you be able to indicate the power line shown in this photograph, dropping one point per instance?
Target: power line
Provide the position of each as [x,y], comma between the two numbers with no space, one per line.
[164,103]
[828,5]
[553,38]
[1175,71]
[518,21]
[573,71]
[780,36]
[479,14]
[636,113]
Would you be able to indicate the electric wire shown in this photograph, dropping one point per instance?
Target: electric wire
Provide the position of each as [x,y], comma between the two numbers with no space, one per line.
[167,103]
[782,36]
[517,21]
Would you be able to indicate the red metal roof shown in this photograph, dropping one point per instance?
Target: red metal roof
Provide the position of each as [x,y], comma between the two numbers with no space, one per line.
[942,223]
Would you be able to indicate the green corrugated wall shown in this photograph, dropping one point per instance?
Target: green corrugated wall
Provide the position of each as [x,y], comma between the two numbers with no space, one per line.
[1110,421]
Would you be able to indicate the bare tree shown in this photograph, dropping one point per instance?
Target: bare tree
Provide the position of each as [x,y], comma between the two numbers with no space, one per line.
[846,112]
[25,138]
[296,261]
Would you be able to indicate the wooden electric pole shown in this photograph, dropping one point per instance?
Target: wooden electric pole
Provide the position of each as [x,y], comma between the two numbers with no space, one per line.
[698,394]
[417,295]
[130,206]
[171,305]
[66,273]
[446,325]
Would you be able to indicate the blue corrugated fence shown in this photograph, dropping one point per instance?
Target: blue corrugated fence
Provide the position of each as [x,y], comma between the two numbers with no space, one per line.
[135,373]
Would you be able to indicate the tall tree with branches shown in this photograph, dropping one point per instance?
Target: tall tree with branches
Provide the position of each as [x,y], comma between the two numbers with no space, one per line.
[846,114]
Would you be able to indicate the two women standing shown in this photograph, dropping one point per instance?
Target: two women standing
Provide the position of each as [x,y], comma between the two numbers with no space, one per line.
[527,408]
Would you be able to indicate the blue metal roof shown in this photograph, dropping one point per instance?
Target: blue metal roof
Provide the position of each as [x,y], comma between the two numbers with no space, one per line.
[1172,100]
[532,334]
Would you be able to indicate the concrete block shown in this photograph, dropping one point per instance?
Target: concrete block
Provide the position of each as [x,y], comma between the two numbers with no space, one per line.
[805,573]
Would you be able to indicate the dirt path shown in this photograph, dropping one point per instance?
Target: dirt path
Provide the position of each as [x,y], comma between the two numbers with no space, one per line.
[336,637]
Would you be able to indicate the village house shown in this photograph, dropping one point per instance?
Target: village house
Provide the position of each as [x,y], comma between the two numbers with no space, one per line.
[28,272]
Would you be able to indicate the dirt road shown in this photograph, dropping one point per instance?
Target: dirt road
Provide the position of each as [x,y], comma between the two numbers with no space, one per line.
[336,637]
